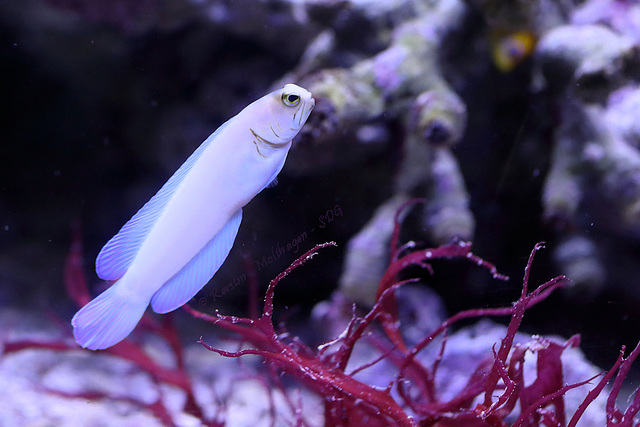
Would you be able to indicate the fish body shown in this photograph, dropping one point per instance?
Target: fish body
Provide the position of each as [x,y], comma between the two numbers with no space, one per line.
[177,241]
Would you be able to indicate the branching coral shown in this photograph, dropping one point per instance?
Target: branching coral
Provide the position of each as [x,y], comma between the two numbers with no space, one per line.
[582,74]
[402,83]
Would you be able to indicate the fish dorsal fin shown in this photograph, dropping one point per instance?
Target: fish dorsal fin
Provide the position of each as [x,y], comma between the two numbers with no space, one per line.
[196,273]
[117,255]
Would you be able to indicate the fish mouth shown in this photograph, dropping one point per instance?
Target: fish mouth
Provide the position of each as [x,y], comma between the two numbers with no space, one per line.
[306,111]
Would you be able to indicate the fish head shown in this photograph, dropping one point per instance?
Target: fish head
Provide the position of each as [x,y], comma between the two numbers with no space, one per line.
[287,111]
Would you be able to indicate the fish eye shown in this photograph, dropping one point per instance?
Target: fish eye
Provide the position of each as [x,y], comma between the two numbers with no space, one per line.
[290,100]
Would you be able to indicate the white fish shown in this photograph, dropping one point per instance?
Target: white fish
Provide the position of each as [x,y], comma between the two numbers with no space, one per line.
[174,245]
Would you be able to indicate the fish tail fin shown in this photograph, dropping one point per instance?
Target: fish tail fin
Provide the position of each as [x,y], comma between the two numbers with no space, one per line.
[107,319]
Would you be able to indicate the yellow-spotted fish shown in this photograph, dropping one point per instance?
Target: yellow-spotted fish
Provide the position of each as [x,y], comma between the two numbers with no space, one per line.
[509,49]
[177,241]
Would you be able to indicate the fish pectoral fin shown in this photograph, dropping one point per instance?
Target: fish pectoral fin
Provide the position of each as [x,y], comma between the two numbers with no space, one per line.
[273,183]
[196,273]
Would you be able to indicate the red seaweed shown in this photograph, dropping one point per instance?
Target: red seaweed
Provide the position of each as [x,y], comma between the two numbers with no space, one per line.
[495,389]
[541,403]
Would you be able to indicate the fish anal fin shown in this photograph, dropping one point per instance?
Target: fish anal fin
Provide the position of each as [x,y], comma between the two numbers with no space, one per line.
[196,273]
